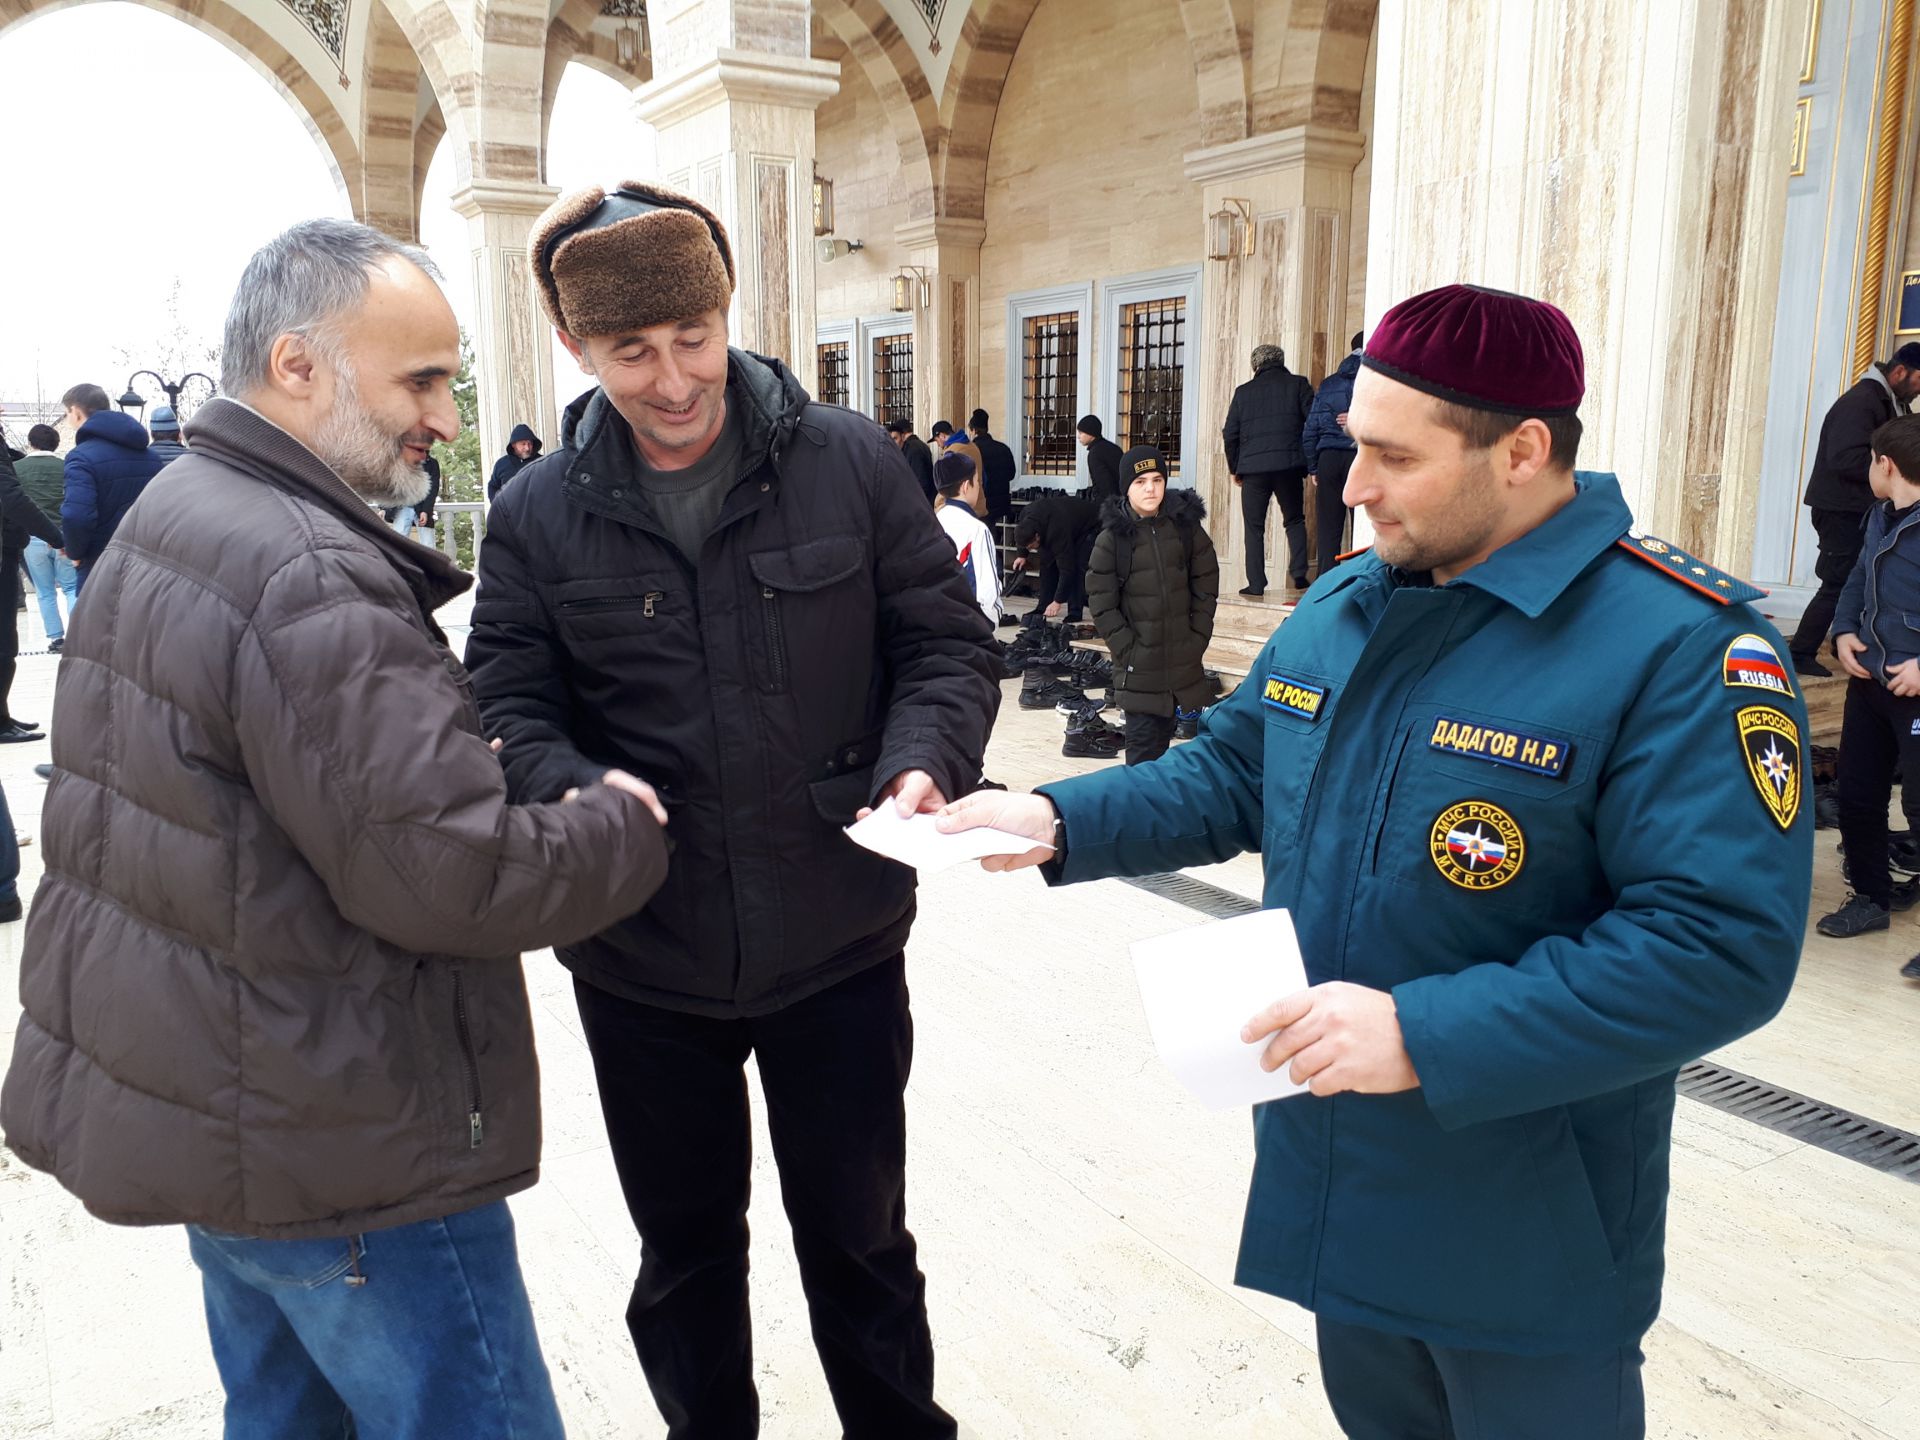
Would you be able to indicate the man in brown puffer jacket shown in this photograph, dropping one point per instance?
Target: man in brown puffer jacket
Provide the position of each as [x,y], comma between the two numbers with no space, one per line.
[271,977]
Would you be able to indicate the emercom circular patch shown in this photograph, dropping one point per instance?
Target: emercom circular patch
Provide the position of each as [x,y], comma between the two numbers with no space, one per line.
[1477,846]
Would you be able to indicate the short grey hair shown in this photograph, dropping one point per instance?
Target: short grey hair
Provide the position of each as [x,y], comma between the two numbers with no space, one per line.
[300,283]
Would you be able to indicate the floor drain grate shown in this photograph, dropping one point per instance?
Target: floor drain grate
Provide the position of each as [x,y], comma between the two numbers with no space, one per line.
[1881,1147]
[1195,895]
[1886,1148]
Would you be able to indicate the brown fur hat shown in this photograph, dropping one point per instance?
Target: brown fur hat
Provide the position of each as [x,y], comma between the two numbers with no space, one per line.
[645,255]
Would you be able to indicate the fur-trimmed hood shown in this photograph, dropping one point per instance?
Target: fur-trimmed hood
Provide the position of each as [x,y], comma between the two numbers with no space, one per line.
[1184,507]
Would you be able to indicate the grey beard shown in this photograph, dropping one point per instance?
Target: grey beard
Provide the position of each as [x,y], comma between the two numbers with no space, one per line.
[364,456]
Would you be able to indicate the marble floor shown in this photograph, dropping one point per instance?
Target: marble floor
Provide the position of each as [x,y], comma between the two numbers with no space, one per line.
[1077,1214]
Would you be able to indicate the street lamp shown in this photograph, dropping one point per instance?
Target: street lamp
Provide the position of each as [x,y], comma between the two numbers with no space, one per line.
[133,399]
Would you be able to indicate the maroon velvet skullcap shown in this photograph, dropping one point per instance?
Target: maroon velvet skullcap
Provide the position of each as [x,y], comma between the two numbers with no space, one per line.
[1485,349]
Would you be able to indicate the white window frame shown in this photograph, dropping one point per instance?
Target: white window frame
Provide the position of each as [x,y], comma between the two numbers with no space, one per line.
[880,327]
[1028,303]
[1178,283]
[834,332]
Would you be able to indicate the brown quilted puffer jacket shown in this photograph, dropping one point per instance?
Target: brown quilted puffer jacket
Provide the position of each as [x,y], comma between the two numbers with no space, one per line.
[271,978]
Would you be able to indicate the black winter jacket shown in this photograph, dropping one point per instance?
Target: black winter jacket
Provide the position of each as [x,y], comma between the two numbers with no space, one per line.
[1152,588]
[920,462]
[1265,421]
[1001,468]
[20,519]
[1103,469]
[510,464]
[1839,478]
[1060,522]
[821,643]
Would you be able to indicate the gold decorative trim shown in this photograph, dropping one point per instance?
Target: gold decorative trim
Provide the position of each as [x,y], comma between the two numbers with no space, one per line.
[1813,45]
[1886,160]
[1802,128]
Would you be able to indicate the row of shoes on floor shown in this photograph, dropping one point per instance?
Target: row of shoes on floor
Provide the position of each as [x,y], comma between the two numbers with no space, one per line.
[1056,676]
[1861,914]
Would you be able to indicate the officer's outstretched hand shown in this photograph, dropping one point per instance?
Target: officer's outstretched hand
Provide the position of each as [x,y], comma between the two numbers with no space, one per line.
[1337,1036]
[1029,816]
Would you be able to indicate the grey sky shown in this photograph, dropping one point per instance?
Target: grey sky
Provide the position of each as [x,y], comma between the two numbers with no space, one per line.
[187,161]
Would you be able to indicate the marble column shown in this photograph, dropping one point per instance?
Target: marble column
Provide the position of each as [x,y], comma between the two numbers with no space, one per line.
[733,102]
[1628,163]
[946,345]
[1297,183]
[512,354]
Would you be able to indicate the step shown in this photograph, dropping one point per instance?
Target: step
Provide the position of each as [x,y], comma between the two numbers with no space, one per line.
[1825,701]
[1231,656]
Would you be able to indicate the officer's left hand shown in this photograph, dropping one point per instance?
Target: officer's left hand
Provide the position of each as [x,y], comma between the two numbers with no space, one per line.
[912,792]
[1904,678]
[1338,1036]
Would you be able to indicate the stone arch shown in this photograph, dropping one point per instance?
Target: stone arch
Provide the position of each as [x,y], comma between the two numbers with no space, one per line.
[875,44]
[571,37]
[267,57]
[1309,63]
[982,56]
[427,136]
[385,196]
[1219,68]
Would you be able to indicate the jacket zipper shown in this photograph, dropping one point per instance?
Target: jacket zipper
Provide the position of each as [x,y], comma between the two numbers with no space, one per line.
[776,635]
[472,1062]
[1160,573]
[616,602]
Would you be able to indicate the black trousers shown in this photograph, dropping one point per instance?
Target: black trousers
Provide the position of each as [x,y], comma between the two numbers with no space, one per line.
[834,1068]
[9,630]
[1289,488]
[1877,734]
[1330,469]
[1390,1387]
[1148,736]
[1841,534]
[1064,578]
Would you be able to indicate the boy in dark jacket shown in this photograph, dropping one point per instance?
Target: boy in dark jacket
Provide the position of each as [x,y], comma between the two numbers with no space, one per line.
[1153,586]
[1880,729]
[107,469]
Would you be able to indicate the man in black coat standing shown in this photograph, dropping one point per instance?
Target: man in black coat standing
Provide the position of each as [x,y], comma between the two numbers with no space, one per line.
[1267,461]
[1838,492]
[999,469]
[919,457]
[738,595]
[1103,461]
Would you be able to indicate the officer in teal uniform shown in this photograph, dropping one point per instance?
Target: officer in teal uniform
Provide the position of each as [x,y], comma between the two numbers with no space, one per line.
[1532,785]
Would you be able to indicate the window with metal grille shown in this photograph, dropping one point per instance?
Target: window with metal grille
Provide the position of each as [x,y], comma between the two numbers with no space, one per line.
[836,372]
[892,378]
[1050,393]
[1153,363]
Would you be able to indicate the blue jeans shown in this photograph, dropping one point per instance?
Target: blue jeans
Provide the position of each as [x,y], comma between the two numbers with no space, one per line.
[421,1332]
[50,571]
[404,518]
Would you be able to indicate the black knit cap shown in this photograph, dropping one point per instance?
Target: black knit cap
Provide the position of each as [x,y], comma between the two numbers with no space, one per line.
[1089,425]
[1142,460]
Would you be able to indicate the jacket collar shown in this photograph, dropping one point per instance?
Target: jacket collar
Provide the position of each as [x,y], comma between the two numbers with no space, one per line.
[770,399]
[1532,572]
[238,435]
[1877,372]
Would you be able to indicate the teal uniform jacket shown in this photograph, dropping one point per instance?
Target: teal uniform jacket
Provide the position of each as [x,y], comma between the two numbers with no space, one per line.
[1558,807]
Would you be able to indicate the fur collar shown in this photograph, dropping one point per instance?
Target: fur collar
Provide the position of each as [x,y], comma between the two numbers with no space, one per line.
[1184,507]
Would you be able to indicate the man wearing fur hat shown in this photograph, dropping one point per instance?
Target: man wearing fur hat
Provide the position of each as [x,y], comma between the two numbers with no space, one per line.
[742,594]
[1530,783]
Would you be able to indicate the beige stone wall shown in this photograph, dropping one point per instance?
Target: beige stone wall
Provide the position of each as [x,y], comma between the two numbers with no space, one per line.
[1362,181]
[1085,178]
[854,147]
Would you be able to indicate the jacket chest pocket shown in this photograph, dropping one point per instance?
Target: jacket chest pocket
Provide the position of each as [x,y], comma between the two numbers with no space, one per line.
[621,619]
[1295,705]
[805,603]
[1489,814]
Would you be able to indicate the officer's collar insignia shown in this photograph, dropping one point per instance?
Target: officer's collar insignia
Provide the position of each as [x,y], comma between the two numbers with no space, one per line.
[1540,754]
[1295,697]
[1477,846]
[1752,661]
[1670,559]
[1770,741]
